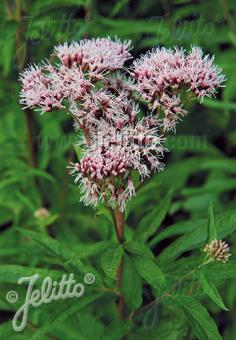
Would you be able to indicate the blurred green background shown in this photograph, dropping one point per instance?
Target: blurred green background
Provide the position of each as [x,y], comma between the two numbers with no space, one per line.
[35,149]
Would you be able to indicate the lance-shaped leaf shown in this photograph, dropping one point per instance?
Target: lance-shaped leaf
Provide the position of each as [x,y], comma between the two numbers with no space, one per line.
[152,221]
[68,257]
[138,248]
[117,330]
[111,259]
[149,270]
[199,318]
[210,289]
[131,284]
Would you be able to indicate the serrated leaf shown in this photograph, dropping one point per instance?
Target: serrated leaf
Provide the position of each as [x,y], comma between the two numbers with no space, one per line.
[200,315]
[87,250]
[131,285]
[67,256]
[138,248]
[111,259]
[210,289]
[152,221]
[148,270]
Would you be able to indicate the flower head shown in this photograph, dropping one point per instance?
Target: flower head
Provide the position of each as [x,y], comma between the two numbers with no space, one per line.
[121,131]
[218,250]
[202,77]
[95,55]
[41,213]
[111,158]
[38,90]
[97,174]
[163,73]
[46,86]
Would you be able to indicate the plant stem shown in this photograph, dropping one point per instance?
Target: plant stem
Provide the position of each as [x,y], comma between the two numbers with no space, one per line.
[120,221]
[22,54]
[119,225]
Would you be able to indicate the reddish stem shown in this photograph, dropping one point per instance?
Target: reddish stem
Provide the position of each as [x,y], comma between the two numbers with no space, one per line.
[119,224]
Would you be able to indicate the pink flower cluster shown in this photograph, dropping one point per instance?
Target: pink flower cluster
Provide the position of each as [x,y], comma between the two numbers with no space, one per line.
[103,165]
[103,98]
[38,90]
[162,73]
[46,86]
[95,55]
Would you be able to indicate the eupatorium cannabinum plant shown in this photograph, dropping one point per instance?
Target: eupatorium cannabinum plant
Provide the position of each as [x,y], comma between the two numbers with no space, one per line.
[124,114]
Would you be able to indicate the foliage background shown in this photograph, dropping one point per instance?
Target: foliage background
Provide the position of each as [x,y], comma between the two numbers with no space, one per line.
[35,151]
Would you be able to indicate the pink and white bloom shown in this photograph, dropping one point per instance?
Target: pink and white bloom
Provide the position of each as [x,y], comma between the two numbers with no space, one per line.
[95,55]
[120,111]
[163,73]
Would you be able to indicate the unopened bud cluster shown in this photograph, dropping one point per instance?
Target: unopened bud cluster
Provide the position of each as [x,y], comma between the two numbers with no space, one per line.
[218,250]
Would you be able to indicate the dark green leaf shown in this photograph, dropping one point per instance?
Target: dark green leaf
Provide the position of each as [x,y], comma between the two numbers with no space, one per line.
[151,222]
[149,270]
[117,330]
[131,284]
[138,248]
[111,259]
[210,289]
[200,316]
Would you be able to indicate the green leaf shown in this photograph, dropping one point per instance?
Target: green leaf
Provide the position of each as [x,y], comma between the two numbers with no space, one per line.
[42,174]
[12,273]
[222,271]
[178,228]
[211,228]
[221,163]
[8,45]
[62,311]
[138,248]
[148,269]
[47,221]
[41,7]
[225,224]
[215,187]
[6,330]
[117,330]
[131,285]
[210,289]
[66,255]
[197,330]
[151,222]
[111,259]
[220,105]
[200,315]
[87,250]
[174,328]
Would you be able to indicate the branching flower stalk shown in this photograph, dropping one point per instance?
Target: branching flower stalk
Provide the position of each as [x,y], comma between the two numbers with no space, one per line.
[122,145]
